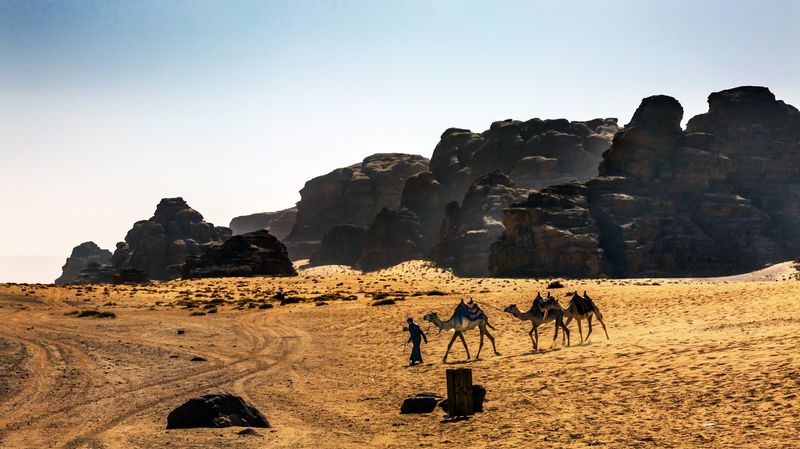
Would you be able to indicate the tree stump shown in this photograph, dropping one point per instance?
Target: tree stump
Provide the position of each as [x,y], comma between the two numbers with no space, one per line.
[459,392]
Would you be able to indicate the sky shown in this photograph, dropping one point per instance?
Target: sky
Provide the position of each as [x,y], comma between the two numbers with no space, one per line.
[108,106]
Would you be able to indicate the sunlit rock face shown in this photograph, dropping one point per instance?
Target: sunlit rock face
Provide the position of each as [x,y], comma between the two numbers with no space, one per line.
[721,197]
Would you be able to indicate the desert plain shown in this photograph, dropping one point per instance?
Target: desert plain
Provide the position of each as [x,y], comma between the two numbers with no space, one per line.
[709,363]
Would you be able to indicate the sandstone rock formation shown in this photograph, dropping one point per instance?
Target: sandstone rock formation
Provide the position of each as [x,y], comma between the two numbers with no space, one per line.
[96,273]
[256,253]
[350,195]
[468,231]
[393,237]
[278,223]
[82,255]
[159,246]
[341,245]
[534,154]
[721,197]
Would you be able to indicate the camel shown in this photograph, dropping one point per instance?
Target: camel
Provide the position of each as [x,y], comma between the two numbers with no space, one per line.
[579,308]
[461,324]
[538,315]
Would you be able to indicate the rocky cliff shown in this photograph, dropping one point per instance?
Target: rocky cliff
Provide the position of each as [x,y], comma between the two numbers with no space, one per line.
[533,154]
[721,197]
[279,223]
[394,236]
[82,255]
[468,230]
[159,246]
[350,195]
[256,253]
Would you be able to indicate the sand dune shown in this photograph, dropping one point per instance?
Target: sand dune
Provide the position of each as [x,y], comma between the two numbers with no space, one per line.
[690,363]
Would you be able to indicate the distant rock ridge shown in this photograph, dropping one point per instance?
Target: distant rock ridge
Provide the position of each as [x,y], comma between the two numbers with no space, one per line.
[159,246]
[721,197]
[350,195]
[279,223]
[82,256]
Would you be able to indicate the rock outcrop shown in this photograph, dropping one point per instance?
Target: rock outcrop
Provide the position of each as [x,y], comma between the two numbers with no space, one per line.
[350,195]
[215,410]
[393,237]
[159,246]
[721,197]
[278,223]
[82,255]
[534,154]
[341,245]
[256,253]
[468,231]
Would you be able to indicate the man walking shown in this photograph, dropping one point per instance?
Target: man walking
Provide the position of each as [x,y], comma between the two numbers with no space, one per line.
[417,336]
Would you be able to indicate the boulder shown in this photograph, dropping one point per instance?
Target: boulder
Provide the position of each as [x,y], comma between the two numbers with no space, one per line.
[256,253]
[82,255]
[721,197]
[215,410]
[159,246]
[421,403]
[350,195]
[278,223]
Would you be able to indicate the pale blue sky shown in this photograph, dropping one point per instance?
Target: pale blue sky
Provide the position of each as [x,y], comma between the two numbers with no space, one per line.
[106,106]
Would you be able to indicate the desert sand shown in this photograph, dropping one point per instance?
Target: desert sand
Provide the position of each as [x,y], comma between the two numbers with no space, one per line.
[707,363]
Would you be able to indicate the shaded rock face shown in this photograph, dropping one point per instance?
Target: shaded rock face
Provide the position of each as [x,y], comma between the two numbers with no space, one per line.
[350,195]
[82,255]
[253,254]
[159,246]
[534,154]
[721,197]
[96,273]
[393,237]
[278,223]
[468,231]
[341,245]
[215,410]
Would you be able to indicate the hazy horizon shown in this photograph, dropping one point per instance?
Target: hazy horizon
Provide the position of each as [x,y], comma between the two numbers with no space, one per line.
[108,107]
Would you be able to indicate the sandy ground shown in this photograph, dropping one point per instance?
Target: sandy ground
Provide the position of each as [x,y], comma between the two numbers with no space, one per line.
[690,363]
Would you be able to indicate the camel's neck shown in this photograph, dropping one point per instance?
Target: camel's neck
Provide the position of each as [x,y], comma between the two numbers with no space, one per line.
[443,325]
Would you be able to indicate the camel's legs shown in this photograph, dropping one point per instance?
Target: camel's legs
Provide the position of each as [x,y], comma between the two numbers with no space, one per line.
[600,319]
[580,330]
[536,333]
[450,345]
[480,345]
[461,335]
[555,334]
[530,334]
[491,339]
[566,332]
[589,320]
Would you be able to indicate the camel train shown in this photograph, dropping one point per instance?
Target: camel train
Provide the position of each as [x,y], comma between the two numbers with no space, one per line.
[468,316]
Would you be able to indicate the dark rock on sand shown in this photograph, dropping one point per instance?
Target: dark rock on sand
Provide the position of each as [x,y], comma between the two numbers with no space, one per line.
[421,403]
[253,254]
[215,410]
[82,255]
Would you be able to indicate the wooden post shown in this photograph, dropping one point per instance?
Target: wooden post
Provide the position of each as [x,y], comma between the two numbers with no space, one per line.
[459,392]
